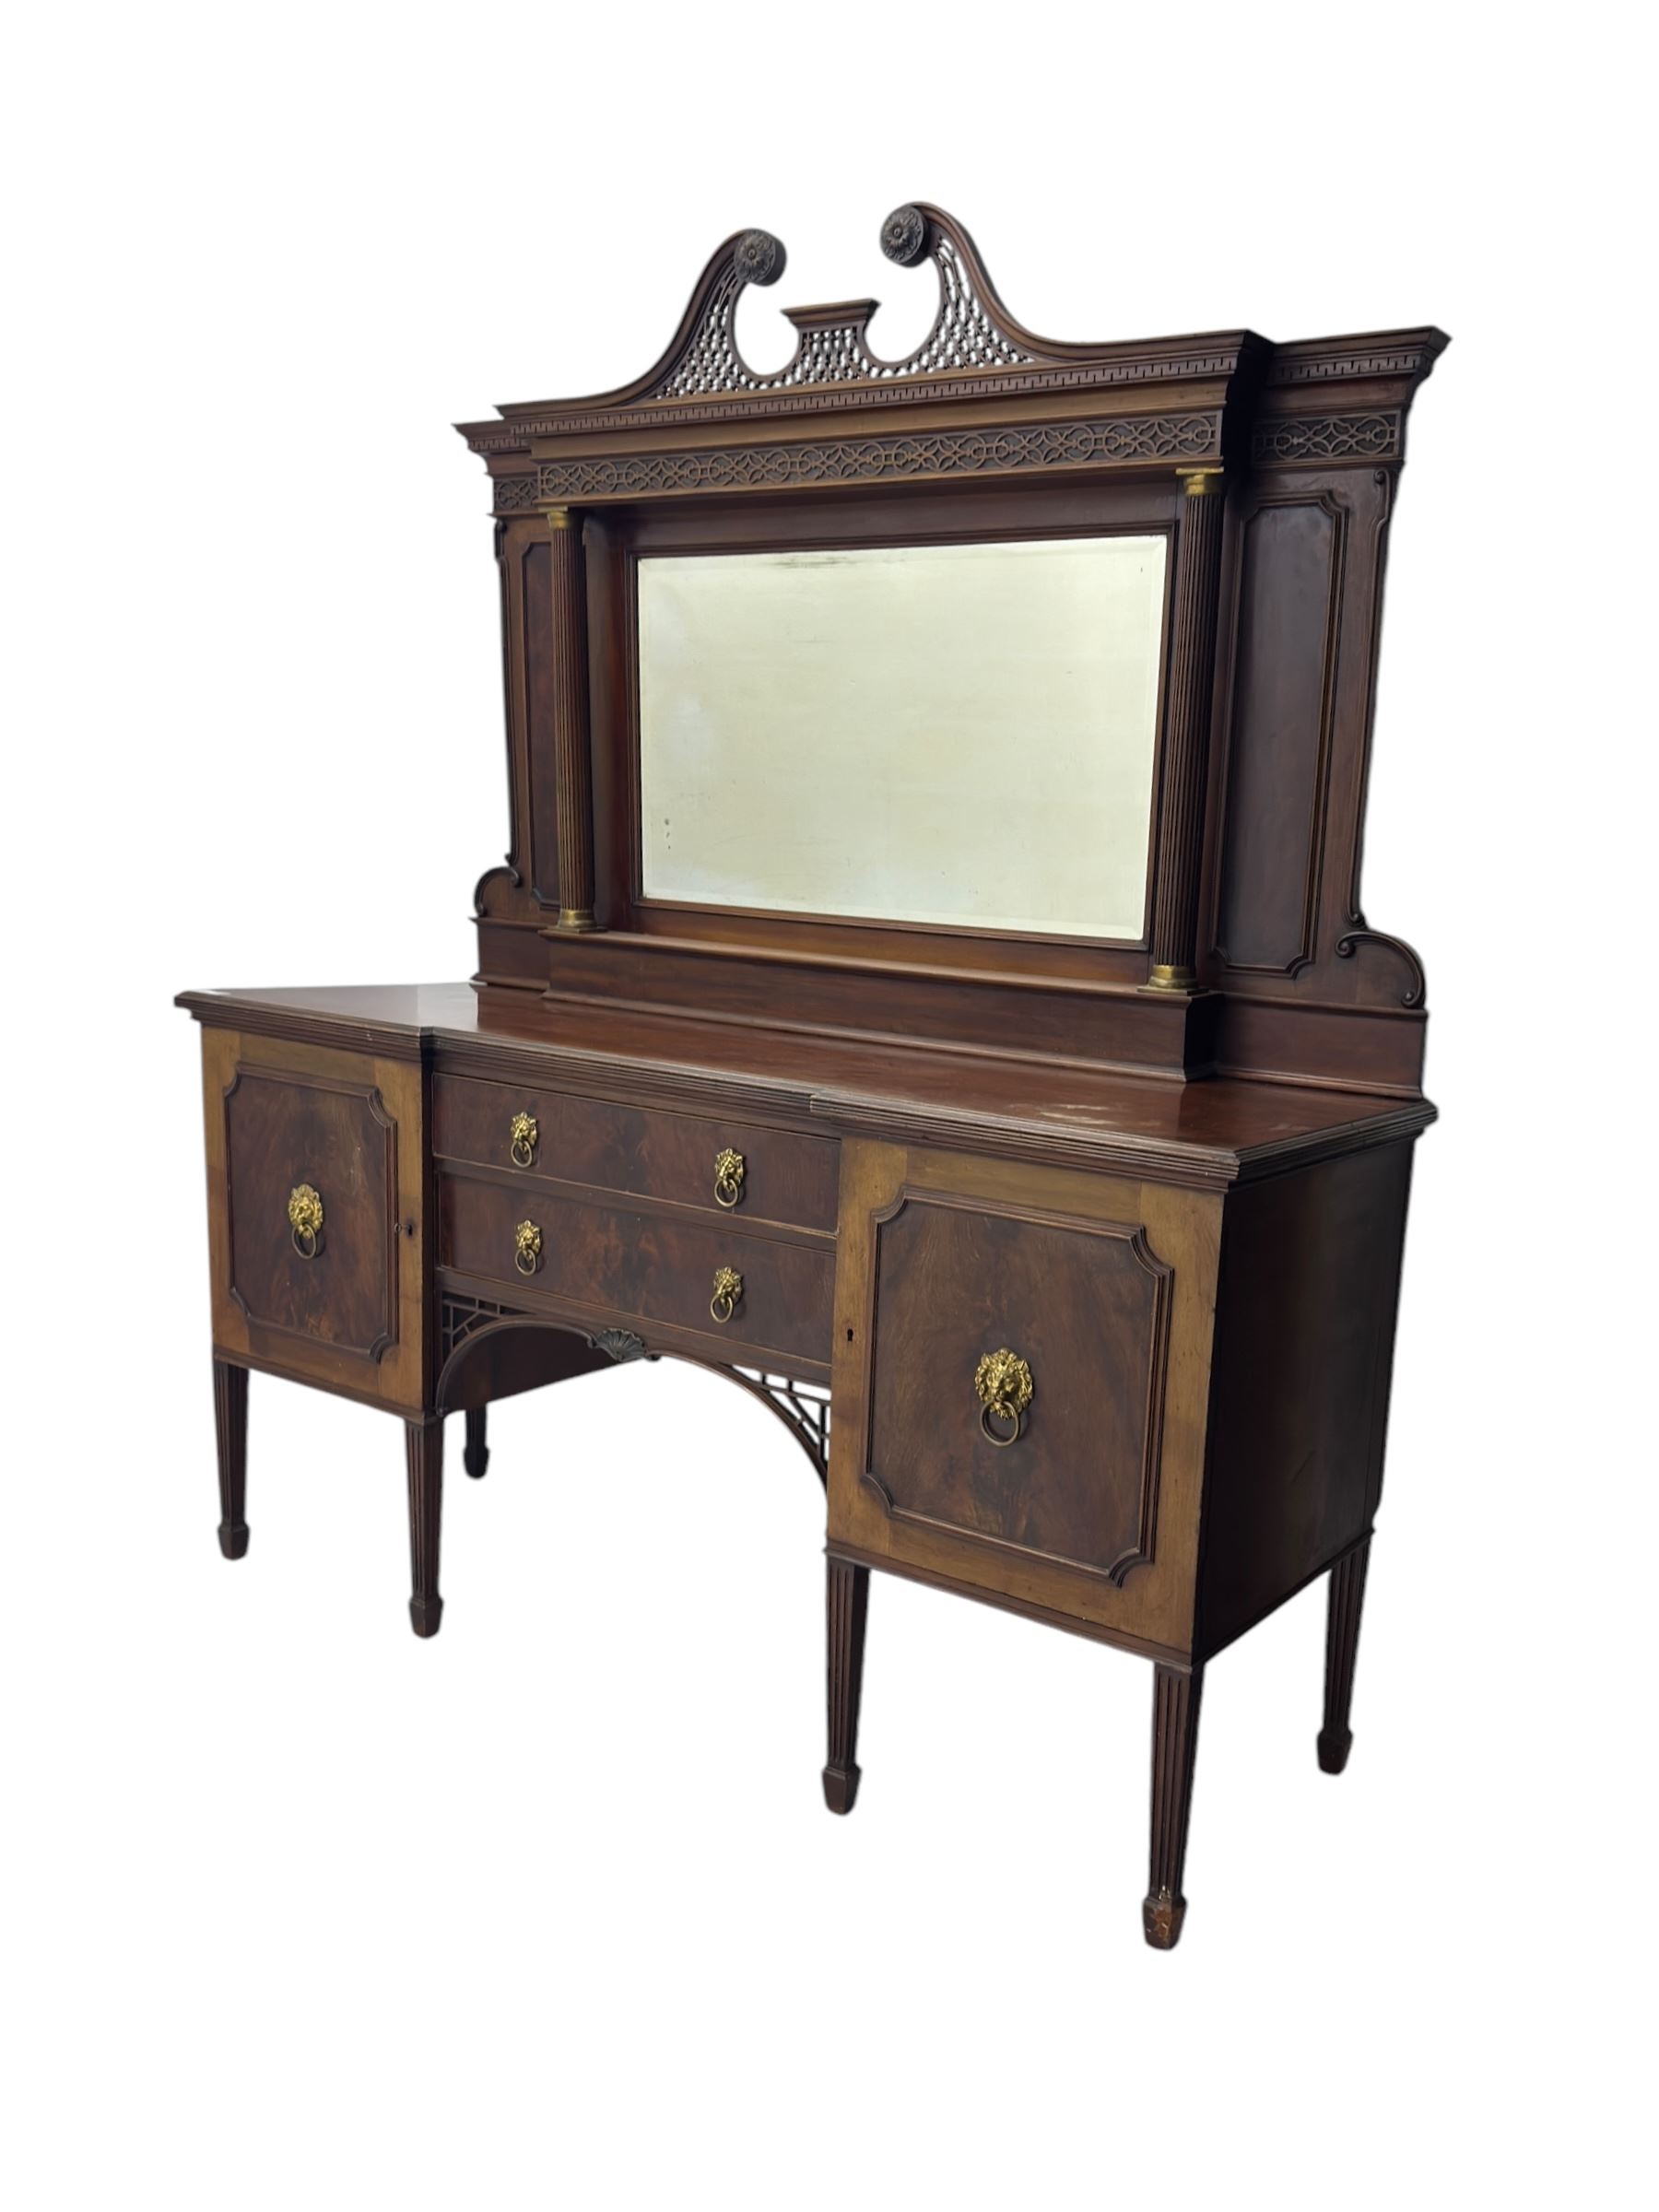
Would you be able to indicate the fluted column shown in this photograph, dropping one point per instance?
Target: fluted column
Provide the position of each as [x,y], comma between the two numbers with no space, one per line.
[1192,674]
[572,768]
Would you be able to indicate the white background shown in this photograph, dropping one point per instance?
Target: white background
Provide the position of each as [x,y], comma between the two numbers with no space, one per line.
[299,1910]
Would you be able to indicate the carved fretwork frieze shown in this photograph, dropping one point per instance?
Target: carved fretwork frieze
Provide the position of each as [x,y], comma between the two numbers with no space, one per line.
[1171,366]
[1143,438]
[1316,439]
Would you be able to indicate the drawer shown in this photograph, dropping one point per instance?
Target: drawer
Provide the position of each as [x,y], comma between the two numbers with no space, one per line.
[315,1173]
[777,1176]
[650,1266]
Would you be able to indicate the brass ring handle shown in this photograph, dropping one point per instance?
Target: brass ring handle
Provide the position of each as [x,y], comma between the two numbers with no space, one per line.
[729,1169]
[728,1289]
[305,1220]
[1003,1386]
[523,1136]
[526,1248]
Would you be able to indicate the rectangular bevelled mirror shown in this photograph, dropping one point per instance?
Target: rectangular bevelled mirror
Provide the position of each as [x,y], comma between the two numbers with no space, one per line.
[950,734]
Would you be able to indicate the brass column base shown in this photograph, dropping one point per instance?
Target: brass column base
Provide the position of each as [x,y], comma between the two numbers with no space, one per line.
[1165,978]
[576,919]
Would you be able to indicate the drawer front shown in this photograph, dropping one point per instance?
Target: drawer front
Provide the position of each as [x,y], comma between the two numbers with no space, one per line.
[313,1195]
[776,1175]
[645,1265]
[1021,1372]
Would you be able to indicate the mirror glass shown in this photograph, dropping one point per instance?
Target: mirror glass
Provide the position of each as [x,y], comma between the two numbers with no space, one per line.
[958,733]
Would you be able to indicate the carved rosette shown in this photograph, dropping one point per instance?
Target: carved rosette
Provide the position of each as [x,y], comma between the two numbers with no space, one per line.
[759,257]
[904,236]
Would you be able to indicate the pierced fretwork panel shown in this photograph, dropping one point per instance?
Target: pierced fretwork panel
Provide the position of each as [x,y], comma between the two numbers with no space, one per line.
[803,1405]
[966,334]
[460,1317]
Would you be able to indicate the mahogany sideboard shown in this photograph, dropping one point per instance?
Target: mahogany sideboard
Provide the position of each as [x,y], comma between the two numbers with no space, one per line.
[1064,1233]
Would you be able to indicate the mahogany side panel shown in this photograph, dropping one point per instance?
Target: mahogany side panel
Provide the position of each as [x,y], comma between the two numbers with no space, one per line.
[1305,1315]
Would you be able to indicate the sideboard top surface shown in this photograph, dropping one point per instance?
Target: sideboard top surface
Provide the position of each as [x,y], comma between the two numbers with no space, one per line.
[1210,1134]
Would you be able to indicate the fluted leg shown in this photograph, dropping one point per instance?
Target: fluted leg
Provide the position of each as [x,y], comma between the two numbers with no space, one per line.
[1175,1694]
[425,1442]
[1342,1637]
[476,1457]
[848,1598]
[230,1428]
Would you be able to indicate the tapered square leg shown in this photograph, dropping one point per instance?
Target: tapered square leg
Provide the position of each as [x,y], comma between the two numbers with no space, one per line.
[848,1598]
[425,1444]
[230,1429]
[1342,1640]
[1175,1694]
[476,1457]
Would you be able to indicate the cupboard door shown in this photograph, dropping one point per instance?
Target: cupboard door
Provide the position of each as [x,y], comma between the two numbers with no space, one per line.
[1022,1362]
[316,1221]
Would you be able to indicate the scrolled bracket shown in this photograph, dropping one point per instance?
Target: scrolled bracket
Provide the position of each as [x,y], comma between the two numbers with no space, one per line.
[1417,987]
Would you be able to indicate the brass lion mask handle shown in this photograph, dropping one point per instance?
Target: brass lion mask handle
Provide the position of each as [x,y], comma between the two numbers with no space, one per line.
[728,1177]
[305,1220]
[526,1248]
[523,1136]
[729,1290]
[1002,1382]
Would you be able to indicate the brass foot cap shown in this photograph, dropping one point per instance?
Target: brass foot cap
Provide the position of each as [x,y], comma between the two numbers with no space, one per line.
[425,1614]
[1162,1915]
[841,1788]
[1334,1744]
[233,1539]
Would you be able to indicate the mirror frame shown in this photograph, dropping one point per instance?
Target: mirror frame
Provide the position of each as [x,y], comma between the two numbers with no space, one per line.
[619,540]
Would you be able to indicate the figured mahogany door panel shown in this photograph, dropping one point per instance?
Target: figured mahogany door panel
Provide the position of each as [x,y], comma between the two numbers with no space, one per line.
[720,1166]
[337,1145]
[1085,1306]
[314,1183]
[1081,1497]
[650,1266]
